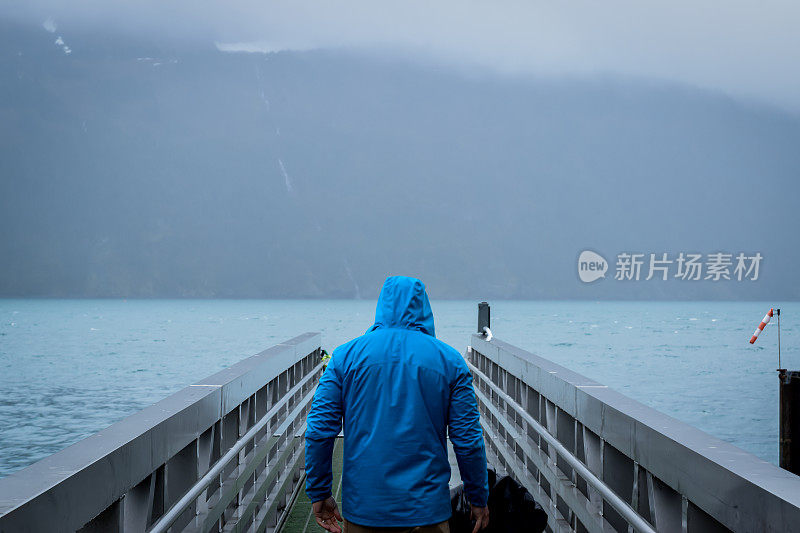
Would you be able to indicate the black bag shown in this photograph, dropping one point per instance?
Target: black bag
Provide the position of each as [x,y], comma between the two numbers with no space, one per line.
[512,509]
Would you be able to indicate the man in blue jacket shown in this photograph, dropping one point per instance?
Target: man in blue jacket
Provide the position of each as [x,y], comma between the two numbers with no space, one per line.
[400,392]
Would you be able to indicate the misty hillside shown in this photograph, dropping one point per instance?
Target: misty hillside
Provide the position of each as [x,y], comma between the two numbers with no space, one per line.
[130,169]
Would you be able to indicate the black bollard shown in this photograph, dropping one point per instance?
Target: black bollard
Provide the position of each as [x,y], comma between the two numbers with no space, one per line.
[789,439]
[484,316]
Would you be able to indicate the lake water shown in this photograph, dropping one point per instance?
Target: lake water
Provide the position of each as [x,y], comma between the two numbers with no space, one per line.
[69,368]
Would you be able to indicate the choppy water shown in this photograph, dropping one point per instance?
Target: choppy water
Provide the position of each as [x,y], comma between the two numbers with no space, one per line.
[69,368]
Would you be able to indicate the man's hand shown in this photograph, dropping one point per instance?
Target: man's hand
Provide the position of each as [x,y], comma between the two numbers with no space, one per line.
[481,517]
[327,513]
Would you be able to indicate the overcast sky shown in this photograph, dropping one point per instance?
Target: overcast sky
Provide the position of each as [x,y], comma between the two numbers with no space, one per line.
[744,48]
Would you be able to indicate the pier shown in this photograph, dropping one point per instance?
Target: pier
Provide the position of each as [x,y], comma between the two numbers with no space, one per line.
[226,454]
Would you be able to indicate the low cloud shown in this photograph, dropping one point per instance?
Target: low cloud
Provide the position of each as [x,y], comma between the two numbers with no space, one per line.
[263,47]
[740,47]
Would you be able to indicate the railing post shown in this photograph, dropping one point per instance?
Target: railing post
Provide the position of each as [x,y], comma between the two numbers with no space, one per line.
[789,420]
[484,317]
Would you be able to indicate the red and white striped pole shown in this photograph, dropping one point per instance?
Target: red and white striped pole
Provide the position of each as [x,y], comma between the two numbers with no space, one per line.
[789,395]
[760,327]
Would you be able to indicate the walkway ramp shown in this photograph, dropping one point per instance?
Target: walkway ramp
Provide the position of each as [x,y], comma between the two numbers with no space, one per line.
[301,519]
[226,455]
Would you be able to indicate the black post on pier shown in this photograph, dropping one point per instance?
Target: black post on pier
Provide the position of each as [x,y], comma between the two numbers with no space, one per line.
[789,421]
[789,439]
[484,317]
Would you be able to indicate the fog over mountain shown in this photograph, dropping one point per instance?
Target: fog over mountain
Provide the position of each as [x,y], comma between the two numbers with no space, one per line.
[138,167]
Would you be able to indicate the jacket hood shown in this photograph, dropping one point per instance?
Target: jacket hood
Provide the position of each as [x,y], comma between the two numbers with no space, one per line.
[403,303]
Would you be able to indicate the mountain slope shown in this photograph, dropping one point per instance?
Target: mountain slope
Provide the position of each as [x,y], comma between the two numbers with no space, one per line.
[134,169]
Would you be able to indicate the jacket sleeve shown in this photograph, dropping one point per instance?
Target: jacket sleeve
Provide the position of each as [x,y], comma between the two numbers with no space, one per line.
[323,424]
[467,438]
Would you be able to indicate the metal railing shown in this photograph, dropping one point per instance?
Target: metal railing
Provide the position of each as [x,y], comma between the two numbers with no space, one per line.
[598,461]
[221,455]
[225,454]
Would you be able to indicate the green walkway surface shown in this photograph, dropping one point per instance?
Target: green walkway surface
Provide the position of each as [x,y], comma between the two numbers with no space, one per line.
[301,519]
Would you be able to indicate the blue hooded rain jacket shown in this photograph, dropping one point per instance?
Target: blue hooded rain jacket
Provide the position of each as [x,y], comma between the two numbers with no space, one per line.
[398,391]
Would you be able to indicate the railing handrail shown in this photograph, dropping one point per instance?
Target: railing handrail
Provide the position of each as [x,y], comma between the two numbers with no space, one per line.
[627,512]
[197,489]
[53,494]
[731,485]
